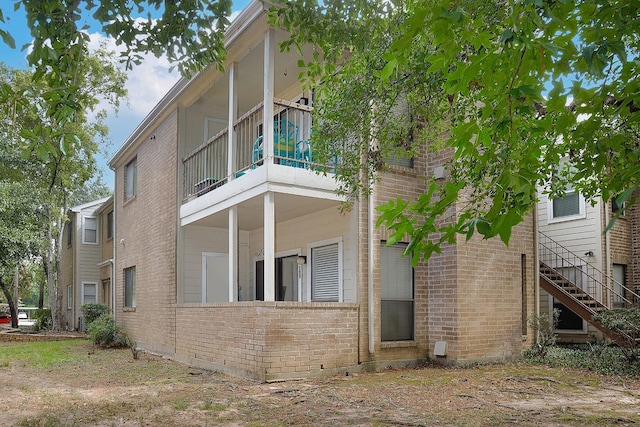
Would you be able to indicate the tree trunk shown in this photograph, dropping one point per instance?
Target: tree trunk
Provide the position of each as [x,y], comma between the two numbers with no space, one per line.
[41,286]
[12,304]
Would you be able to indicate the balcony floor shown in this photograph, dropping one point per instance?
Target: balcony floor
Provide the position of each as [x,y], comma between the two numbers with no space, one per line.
[298,192]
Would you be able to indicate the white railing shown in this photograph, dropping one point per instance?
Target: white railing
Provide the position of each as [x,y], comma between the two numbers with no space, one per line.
[205,168]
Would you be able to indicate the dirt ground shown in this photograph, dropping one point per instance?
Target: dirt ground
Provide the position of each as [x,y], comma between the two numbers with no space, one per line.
[110,388]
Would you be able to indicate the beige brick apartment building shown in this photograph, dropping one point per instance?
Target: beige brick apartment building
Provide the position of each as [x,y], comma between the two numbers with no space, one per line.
[231,252]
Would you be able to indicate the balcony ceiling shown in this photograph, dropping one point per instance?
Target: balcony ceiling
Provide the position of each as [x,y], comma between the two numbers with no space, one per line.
[250,80]
[251,212]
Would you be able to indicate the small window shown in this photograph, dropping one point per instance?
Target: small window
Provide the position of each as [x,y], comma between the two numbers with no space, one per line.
[89,293]
[69,297]
[130,287]
[110,225]
[325,272]
[131,179]
[617,206]
[69,233]
[619,285]
[396,294]
[571,205]
[90,230]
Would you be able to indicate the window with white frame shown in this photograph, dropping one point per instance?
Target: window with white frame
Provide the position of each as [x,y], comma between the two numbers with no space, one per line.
[69,297]
[571,206]
[326,277]
[90,230]
[396,294]
[131,179]
[130,287]
[89,293]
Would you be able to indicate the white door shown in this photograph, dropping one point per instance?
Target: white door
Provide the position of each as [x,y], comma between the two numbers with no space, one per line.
[215,277]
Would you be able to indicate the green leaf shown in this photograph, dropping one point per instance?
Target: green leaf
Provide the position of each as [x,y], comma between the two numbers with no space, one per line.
[7,39]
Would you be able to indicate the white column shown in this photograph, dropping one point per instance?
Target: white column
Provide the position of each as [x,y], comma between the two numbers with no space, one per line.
[233,115]
[269,246]
[233,253]
[269,83]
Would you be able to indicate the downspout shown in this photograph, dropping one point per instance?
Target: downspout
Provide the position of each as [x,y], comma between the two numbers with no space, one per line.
[607,249]
[371,246]
[536,260]
[113,254]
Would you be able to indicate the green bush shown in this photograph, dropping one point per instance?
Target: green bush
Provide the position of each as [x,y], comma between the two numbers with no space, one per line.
[92,311]
[44,321]
[104,332]
[544,327]
[626,322]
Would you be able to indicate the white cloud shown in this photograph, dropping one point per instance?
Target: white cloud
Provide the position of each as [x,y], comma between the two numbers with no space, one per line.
[146,82]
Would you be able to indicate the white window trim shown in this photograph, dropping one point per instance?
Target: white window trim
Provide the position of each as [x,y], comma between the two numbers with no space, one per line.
[82,292]
[566,331]
[581,215]
[124,287]
[312,245]
[134,190]
[84,219]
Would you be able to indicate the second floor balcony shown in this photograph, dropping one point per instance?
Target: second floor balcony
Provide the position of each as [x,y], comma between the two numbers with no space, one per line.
[219,160]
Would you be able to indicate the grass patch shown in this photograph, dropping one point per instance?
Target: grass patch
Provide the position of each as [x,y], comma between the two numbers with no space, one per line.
[42,354]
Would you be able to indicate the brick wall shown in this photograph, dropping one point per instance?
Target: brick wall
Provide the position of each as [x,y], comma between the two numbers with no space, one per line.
[634,220]
[146,238]
[408,184]
[268,340]
[471,295]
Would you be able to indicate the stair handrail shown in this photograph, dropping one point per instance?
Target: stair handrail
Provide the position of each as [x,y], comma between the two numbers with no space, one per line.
[594,277]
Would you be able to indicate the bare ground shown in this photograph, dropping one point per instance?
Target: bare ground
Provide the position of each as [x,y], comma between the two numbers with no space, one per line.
[110,388]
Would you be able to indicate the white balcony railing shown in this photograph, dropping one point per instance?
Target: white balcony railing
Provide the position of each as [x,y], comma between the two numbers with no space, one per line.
[206,167]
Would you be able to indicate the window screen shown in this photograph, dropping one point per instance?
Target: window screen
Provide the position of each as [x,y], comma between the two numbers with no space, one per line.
[396,294]
[90,230]
[89,293]
[130,287]
[567,206]
[325,275]
[131,179]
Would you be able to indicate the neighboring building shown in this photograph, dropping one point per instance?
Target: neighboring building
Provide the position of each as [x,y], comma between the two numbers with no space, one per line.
[604,266]
[232,253]
[86,254]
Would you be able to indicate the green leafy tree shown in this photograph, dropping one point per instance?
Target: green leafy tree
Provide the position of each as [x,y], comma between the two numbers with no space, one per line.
[189,32]
[60,176]
[21,231]
[508,89]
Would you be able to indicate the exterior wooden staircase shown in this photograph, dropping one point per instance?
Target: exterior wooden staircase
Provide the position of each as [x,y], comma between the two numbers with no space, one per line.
[582,288]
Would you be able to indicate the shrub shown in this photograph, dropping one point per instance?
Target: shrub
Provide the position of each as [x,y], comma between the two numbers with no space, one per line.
[44,321]
[544,327]
[92,311]
[104,332]
[626,322]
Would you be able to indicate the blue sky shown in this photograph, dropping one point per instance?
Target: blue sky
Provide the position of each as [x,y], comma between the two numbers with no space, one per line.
[146,83]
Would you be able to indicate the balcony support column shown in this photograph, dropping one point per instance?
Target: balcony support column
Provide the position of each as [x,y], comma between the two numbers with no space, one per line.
[268,85]
[269,246]
[233,253]
[233,115]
